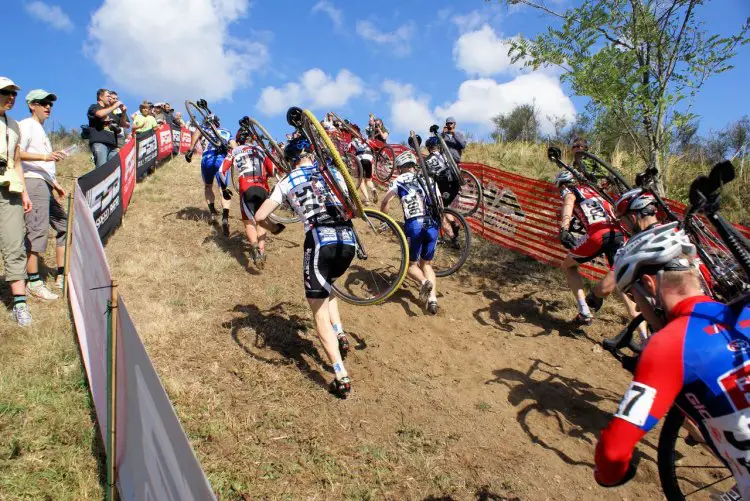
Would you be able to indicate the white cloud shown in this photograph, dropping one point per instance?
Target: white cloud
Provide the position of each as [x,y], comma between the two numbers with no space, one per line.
[51,14]
[407,112]
[470,21]
[398,40]
[336,15]
[315,89]
[481,99]
[195,57]
[482,52]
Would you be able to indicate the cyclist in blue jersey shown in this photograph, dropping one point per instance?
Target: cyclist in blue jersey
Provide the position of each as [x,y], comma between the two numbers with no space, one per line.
[329,247]
[420,228]
[700,361]
[211,162]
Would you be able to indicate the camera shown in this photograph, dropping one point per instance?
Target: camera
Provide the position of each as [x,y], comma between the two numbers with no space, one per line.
[116,129]
[3,165]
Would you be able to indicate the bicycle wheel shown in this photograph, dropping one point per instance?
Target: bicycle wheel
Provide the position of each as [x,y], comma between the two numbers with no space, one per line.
[284,213]
[449,159]
[269,146]
[451,254]
[199,118]
[687,470]
[470,196]
[350,160]
[728,278]
[327,154]
[384,164]
[380,265]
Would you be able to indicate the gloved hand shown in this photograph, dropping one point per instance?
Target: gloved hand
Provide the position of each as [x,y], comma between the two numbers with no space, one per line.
[226,193]
[189,156]
[554,153]
[434,128]
[567,240]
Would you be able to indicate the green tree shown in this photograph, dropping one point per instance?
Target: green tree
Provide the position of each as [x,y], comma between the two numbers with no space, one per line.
[640,60]
[521,123]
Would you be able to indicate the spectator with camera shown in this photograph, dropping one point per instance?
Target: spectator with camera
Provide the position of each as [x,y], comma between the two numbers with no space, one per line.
[105,125]
[454,140]
[376,130]
[39,170]
[113,97]
[14,202]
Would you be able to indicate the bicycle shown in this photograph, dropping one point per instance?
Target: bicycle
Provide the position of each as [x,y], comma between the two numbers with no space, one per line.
[201,118]
[451,252]
[382,254]
[677,439]
[383,155]
[470,195]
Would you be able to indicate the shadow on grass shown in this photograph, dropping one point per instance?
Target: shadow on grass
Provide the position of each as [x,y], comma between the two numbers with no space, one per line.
[482,494]
[278,331]
[190,214]
[237,246]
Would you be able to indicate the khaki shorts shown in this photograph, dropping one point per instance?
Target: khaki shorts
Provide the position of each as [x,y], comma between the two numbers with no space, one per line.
[45,213]
[11,235]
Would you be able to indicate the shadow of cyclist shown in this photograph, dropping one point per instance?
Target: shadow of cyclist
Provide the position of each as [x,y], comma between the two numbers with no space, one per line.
[278,331]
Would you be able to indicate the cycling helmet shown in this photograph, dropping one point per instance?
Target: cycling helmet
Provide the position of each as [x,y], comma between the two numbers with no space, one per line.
[564,177]
[405,159]
[660,248]
[579,141]
[243,136]
[295,148]
[635,200]
[213,119]
[432,142]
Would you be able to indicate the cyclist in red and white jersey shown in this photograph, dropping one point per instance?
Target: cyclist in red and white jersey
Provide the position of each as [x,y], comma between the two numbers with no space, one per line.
[603,237]
[253,169]
[699,361]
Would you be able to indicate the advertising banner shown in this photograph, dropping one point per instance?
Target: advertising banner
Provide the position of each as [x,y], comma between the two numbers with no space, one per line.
[147,150]
[164,141]
[185,140]
[102,190]
[176,136]
[154,457]
[127,163]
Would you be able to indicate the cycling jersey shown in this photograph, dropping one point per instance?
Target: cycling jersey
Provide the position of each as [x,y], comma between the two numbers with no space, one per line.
[252,165]
[594,212]
[361,149]
[223,134]
[310,197]
[438,167]
[701,362]
[410,189]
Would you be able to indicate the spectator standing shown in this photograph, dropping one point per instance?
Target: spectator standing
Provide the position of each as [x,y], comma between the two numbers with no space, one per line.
[376,130]
[454,140]
[14,202]
[168,114]
[114,97]
[104,126]
[39,170]
[143,120]
[178,121]
[159,114]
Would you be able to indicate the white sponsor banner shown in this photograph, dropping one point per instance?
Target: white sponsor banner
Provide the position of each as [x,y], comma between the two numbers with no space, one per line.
[154,458]
[89,283]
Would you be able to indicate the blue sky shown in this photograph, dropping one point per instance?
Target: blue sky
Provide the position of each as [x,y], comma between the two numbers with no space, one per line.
[409,62]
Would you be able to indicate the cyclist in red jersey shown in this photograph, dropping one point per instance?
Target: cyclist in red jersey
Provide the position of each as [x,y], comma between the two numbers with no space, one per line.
[699,361]
[603,236]
[253,169]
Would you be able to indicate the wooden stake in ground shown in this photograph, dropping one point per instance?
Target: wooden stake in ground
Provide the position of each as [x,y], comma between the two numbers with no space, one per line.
[112,395]
[68,240]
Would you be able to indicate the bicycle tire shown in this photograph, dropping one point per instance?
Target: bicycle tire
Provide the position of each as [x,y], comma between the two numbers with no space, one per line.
[443,247]
[667,457]
[284,213]
[351,161]
[385,163]
[435,200]
[365,287]
[197,112]
[269,146]
[455,171]
[470,196]
[352,202]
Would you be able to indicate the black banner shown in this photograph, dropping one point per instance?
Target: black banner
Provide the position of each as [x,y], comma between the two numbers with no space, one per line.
[103,190]
[176,137]
[147,151]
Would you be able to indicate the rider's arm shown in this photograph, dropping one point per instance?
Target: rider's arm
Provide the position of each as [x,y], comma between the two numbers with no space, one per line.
[569,202]
[226,164]
[386,199]
[196,138]
[658,380]
[269,166]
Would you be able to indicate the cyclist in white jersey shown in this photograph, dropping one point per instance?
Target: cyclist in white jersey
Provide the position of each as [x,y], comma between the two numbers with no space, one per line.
[364,154]
[329,247]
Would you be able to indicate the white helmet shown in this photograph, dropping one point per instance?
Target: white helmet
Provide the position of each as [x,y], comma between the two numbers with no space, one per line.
[634,200]
[655,249]
[404,159]
[564,177]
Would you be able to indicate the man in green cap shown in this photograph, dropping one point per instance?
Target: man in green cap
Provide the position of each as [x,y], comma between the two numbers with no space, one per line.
[39,171]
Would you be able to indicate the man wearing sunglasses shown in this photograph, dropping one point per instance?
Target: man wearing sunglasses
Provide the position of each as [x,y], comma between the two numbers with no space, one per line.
[40,174]
[14,201]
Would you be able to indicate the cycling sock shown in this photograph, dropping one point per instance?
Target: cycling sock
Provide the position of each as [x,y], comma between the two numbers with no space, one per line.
[34,278]
[338,328]
[583,307]
[338,368]
[19,299]
[225,213]
[211,208]
[60,271]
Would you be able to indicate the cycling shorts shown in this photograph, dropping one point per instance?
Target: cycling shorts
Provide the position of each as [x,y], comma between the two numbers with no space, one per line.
[250,201]
[605,242]
[422,239]
[449,189]
[211,168]
[366,168]
[328,252]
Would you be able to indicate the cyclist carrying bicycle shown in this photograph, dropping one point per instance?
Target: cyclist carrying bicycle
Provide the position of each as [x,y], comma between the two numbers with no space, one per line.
[329,246]
[447,183]
[420,227]
[700,360]
[211,162]
[364,154]
[637,210]
[603,238]
[253,169]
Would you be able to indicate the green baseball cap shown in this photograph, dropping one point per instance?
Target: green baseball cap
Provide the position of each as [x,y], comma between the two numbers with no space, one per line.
[40,94]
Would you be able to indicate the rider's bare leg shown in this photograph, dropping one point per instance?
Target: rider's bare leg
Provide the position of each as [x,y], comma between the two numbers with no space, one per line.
[575,282]
[321,310]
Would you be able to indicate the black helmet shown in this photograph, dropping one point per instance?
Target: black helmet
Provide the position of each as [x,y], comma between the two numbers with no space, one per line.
[295,148]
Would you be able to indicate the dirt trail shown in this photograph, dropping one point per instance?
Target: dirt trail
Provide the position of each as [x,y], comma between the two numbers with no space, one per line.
[491,399]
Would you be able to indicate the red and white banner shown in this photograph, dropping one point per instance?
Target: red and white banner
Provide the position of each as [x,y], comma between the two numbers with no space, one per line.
[127,164]
[164,140]
[185,140]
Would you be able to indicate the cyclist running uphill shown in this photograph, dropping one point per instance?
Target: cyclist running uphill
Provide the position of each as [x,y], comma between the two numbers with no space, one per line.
[329,246]
[603,237]
[211,162]
[364,154]
[253,168]
[420,227]
[699,361]
[447,183]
